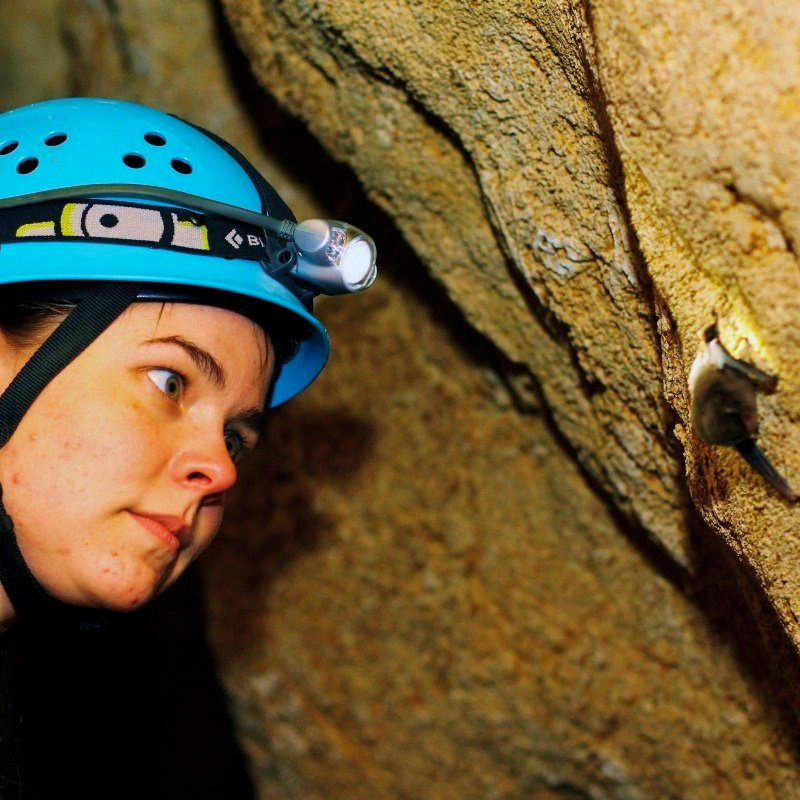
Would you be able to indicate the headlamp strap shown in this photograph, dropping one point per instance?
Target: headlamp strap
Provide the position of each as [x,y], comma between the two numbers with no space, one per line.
[142,224]
[82,326]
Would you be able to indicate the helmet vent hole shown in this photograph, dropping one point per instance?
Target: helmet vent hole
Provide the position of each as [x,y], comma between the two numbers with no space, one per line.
[179,165]
[27,165]
[8,147]
[55,139]
[156,139]
[133,160]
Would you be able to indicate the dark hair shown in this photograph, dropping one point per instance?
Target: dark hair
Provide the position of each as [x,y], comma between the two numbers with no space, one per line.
[29,311]
[25,321]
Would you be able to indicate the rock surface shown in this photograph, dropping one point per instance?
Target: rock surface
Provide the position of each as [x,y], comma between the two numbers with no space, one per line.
[480,129]
[704,106]
[435,594]
[629,174]
[434,604]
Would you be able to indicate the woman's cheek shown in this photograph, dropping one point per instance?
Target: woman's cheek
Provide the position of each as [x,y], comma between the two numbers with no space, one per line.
[208,525]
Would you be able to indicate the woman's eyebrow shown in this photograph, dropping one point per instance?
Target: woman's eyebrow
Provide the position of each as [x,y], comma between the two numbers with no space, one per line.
[204,361]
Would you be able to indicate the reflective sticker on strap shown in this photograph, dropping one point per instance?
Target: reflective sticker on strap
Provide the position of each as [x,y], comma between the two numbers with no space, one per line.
[36,229]
[68,226]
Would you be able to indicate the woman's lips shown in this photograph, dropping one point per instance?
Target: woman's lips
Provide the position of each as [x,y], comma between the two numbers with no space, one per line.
[170,531]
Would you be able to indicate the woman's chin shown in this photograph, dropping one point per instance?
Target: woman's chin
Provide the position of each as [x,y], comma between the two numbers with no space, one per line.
[128,595]
[118,580]
[110,591]
[132,601]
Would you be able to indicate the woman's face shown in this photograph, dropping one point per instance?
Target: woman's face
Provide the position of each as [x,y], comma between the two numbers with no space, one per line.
[116,475]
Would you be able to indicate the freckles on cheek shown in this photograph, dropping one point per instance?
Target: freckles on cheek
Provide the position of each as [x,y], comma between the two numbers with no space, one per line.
[71,444]
[126,584]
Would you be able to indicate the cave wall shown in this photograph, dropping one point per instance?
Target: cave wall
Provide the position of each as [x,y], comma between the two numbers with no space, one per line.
[628,175]
[485,556]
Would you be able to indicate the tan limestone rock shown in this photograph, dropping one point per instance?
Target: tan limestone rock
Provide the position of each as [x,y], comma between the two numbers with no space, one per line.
[629,172]
[477,127]
[704,103]
[432,603]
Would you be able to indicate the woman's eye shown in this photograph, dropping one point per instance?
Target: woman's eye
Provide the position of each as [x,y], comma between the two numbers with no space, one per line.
[236,447]
[169,382]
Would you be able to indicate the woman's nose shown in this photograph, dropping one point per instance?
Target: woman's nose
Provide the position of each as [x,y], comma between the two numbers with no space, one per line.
[204,464]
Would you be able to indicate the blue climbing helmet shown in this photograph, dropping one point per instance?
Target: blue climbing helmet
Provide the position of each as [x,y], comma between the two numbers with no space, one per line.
[95,190]
[110,203]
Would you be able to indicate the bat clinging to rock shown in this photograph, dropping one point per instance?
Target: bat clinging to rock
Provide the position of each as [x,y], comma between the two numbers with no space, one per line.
[724,408]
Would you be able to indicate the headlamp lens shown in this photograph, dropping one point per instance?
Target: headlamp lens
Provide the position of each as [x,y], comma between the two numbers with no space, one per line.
[334,257]
[356,264]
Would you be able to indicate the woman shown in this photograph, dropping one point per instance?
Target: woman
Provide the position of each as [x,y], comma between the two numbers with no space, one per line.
[156,299]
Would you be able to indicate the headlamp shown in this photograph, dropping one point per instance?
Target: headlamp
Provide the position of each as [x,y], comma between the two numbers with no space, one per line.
[334,256]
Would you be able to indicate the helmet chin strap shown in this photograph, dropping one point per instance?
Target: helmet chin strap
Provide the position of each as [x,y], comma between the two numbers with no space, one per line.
[101,306]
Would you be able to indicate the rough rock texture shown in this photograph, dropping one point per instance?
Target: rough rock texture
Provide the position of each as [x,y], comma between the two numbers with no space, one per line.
[418,593]
[487,143]
[629,174]
[31,28]
[434,605]
[705,105]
